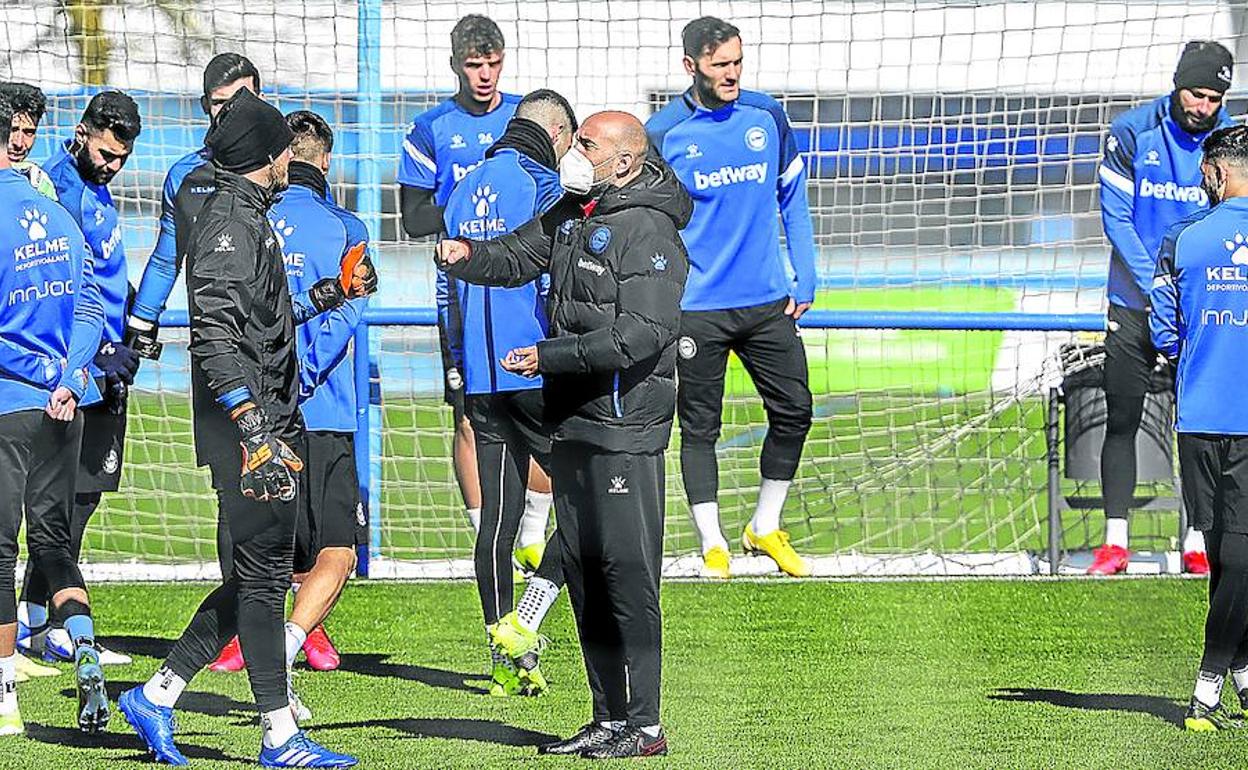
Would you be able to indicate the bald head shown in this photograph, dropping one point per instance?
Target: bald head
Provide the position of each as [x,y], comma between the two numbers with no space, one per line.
[614,136]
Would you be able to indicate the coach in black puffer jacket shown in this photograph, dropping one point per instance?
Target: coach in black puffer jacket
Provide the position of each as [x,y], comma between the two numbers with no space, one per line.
[617,272]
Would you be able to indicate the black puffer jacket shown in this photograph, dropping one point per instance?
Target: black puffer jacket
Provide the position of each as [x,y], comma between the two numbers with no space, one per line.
[242,319]
[617,272]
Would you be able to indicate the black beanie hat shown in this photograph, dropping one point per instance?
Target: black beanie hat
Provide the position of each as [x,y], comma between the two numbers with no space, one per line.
[1204,64]
[247,134]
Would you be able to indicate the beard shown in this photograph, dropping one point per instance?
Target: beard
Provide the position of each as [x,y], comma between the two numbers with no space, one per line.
[704,87]
[88,170]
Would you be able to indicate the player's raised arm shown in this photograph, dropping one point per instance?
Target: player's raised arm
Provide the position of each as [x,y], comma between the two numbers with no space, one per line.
[512,259]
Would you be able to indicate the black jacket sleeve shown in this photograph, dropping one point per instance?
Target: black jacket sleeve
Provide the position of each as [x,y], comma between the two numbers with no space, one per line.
[222,283]
[512,259]
[420,215]
[651,273]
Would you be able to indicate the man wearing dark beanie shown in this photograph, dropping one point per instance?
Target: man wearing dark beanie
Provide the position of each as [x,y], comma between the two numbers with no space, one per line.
[1150,178]
[245,386]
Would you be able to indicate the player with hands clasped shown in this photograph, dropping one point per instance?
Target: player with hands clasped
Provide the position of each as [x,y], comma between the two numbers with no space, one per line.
[248,430]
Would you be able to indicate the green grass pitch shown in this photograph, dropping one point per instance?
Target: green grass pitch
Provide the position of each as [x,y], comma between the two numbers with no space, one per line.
[778,674]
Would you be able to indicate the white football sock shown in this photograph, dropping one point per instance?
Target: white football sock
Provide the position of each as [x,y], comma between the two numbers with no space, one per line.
[706,519]
[33,615]
[474,518]
[1116,532]
[164,688]
[652,730]
[619,724]
[279,726]
[295,637]
[536,514]
[8,684]
[1194,541]
[771,497]
[539,595]
[1240,677]
[1209,688]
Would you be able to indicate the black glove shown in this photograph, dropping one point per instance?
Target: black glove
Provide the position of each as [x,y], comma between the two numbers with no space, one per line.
[270,467]
[140,337]
[115,394]
[118,362]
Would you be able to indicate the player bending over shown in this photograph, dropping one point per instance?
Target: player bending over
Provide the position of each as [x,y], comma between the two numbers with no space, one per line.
[734,151]
[1150,148]
[315,236]
[517,181]
[1199,312]
[248,430]
[49,331]
[442,146]
[81,169]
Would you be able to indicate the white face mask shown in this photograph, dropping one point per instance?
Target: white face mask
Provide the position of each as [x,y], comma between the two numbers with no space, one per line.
[576,172]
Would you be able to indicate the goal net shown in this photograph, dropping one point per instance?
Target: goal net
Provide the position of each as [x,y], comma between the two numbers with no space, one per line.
[952,150]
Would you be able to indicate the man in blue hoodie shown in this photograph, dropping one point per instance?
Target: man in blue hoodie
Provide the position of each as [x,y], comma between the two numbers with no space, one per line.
[1199,321]
[81,169]
[737,155]
[1150,179]
[517,181]
[50,329]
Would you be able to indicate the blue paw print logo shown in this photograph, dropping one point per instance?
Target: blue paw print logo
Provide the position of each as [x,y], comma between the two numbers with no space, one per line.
[482,199]
[1238,248]
[33,221]
[659,261]
[282,231]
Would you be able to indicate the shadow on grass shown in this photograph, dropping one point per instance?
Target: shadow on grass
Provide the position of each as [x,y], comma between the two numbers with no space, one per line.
[149,646]
[372,664]
[66,736]
[206,703]
[1165,709]
[483,730]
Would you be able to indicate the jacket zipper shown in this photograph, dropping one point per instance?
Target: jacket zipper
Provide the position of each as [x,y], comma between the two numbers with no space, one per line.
[615,394]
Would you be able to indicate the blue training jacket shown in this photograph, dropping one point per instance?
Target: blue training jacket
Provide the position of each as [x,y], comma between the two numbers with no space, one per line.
[739,162]
[446,142]
[52,319]
[1200,316]
[314,235]
[161,270]
[507,190]
[1150,179]
[91,206]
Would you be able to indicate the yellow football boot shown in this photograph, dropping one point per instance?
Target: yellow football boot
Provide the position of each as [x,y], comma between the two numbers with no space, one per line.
[776,545]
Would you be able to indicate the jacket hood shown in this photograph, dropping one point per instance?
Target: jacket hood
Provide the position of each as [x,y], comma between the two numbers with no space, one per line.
[657,187]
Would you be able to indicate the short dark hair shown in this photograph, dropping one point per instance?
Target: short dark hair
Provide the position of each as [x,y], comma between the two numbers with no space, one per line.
[308,127]
[115,111]
[704,35]
[1228,144]
[545,97]
[6,115]
[225,68]
[26,99]
[475,35]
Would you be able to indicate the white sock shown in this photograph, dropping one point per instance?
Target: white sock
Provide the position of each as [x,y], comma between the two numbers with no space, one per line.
[619,724]
[1194,541]
[771,497]
[706,519]
[33,615]
[1209,688]
[652,730]
[536,514]
[279,726]
[539,595]
[295,637]
[1116,532]
[164,688]
[1240,677]
[474,518]
[8,684]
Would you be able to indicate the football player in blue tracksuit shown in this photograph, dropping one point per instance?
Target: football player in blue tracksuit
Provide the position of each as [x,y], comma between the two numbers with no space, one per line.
[1150,179]
[315,235]
[735,152]
[50,329]
[1199,320]
[187,185]
[442,146]
[29,106]
[517,181]
[80,169]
